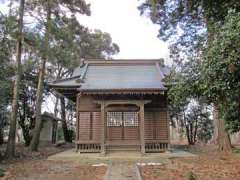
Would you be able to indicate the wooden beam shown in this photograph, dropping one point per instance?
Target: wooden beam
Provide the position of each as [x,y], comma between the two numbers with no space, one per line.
[91,126]
[124,91]
[142,140]
[156,141]
[119,102]
[87,142]
[103,124]
[123,135]
[123,108]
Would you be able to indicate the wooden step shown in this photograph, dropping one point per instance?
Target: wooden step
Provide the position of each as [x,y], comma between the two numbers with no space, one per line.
[123,148]
[123,142]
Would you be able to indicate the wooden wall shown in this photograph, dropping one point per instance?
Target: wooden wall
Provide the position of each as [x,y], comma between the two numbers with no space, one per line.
[156,125]
[86,103]
[89,126]
[156,122]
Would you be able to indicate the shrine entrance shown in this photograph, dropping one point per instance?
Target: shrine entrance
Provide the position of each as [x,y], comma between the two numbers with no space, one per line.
[122,126]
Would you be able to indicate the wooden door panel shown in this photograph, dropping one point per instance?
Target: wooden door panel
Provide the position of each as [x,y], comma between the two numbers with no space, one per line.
[114,126]
[122,126]
[114,133]
[131,125]
[131,133]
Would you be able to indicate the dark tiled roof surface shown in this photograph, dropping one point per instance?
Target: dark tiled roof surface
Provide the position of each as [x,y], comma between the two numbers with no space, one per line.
[114,76]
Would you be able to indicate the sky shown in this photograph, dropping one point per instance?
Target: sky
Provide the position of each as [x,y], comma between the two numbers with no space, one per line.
[135,35]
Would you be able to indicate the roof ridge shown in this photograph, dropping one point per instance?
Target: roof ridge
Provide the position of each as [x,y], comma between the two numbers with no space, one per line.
[123,61]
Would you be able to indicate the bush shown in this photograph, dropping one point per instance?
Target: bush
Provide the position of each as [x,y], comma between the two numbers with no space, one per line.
[191,176]
[2,172]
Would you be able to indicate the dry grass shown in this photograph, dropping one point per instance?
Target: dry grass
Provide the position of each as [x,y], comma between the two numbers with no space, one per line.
[49,170]
[35,166]
[209,165]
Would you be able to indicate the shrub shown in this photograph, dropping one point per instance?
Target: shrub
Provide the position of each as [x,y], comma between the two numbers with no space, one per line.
[2,172]
[191,176]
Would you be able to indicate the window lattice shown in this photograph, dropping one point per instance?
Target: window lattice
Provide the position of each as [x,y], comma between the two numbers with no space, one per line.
[127,119]
[114,118]
[130,119]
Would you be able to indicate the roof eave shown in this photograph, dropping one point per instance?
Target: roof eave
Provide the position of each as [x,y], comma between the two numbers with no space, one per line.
[63,87]
[124,91]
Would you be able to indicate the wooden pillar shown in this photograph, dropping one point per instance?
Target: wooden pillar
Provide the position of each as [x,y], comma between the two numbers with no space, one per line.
[168,128]
[77,128]
[103,150]
[142,128]
[168,122]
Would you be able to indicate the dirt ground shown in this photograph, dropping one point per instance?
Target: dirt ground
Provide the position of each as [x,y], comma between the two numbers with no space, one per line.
[209,165]
[35,166]
[49,170]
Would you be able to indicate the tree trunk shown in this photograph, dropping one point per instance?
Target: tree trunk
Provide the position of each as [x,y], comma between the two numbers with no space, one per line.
[55,127]
[66,135]
[38,124]
[223,139]
[215,124]
[188,135]
[25,129]
[2,121]
[10,151]
[1,134]
[195,131]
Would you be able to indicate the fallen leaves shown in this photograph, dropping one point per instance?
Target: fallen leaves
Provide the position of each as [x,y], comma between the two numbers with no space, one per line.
[204,167]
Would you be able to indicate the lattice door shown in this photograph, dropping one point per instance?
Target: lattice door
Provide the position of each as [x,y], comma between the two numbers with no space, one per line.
[122,126]
[131,125]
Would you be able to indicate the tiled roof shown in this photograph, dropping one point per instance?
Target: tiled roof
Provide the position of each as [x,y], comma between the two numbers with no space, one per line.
[116,75]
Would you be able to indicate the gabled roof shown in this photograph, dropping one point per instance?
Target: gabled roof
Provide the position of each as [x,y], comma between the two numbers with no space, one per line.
[103,75]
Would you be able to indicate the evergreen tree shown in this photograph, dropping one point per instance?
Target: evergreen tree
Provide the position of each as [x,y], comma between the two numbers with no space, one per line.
[190,27]
[10,151]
